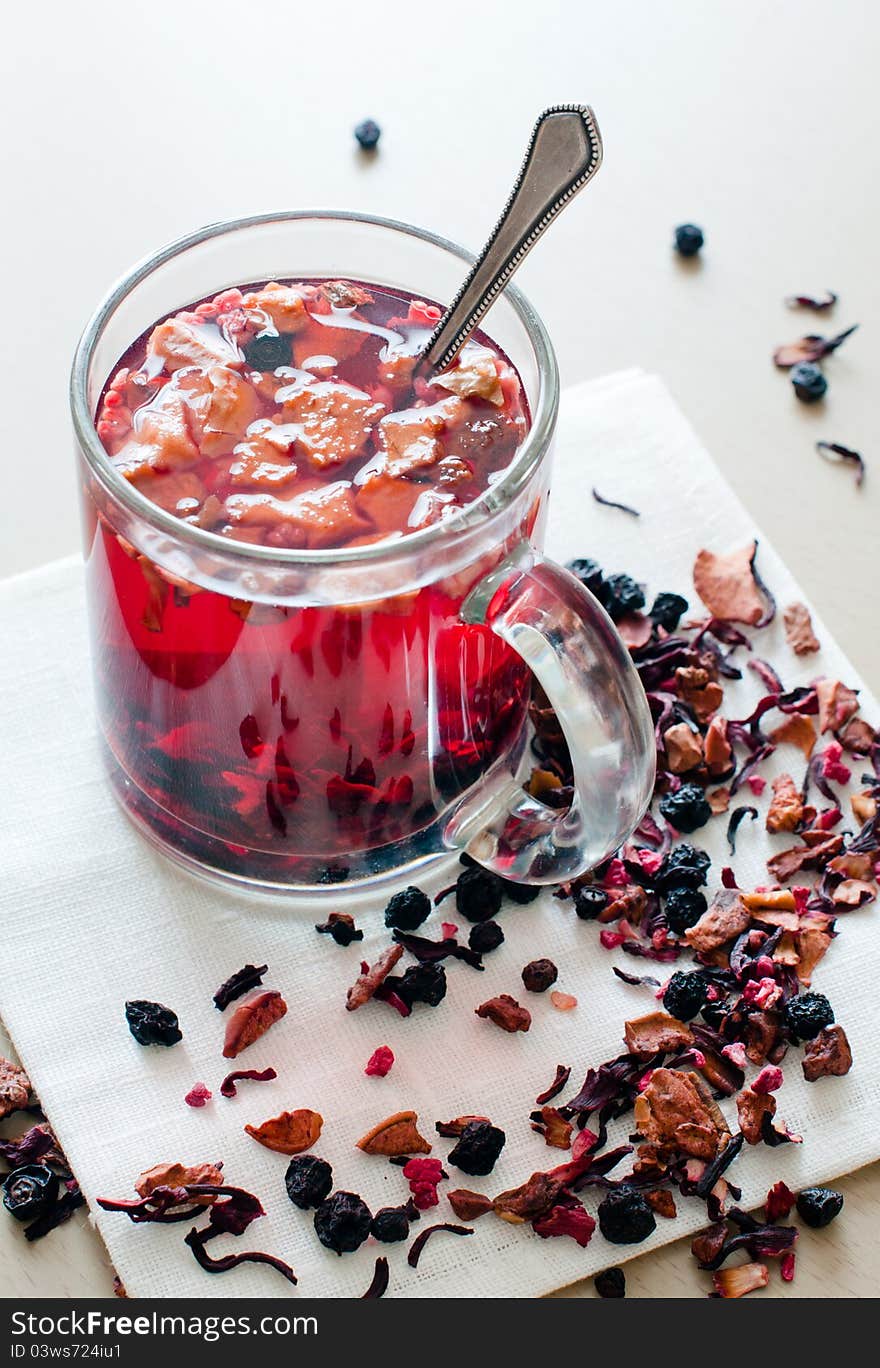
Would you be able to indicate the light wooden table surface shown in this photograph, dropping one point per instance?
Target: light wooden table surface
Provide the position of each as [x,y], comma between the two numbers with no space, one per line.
[759,122]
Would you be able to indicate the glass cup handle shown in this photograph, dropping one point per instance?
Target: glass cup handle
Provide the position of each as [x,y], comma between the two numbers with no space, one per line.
[576,654]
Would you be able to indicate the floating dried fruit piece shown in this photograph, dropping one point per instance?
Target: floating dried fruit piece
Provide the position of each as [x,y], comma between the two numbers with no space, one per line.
[563,1002]
[799,629]
[396,1135]
[290,1133]
[468,1206]
[729,585]
[15,1088]
[844,455]
[239,983]
[798,730]
[827,1055]
[505,1011]
[737,1282]
[371,978]
[252,1019]
[809,348]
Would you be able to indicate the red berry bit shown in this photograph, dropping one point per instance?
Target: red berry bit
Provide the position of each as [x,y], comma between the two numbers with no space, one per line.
[199,1095]
[380,1062]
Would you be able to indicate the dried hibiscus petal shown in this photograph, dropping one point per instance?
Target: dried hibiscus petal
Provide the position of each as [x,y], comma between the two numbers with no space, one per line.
[418,1244]
[380,1062]
[252,1019]
[833,451]
[228,1088]
[809,302]
[563,1074]
[567,1216]
[239,983]
[396,1135]
[179,1176]
[196,1240]
[291,1132]
[611,503]
[505,1011]
[379,1285]
[810,348]
[780,1200]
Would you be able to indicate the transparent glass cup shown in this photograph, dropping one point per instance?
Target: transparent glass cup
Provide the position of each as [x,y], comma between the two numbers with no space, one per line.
[288,719]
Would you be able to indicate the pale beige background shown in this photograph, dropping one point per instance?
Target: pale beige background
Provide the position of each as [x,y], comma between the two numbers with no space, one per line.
[128,125]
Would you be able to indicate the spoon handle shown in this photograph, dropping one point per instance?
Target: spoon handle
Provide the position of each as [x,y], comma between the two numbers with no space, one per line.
[564,153]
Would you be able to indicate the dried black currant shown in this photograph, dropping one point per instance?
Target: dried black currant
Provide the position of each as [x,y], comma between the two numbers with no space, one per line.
[408,909]
[477,1149]
[667,609]
[808,381]
[520,893]
[590,576]
[268,351]
[152,1024]
[485,936]
[818,1206]
[684,867]
[625,1217]
[684,907]
[807,1015]
[308,1180]
[611,1283]
[390,1225]
[30,1191]
[478,894]
[622,596]
[342,1222]
[341,927]
[685,995]
[686,809]
[688,239]
[368,134]
[540,975]
[589,901]
[421,983]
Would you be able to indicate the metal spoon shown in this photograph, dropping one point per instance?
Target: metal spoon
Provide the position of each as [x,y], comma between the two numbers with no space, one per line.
[564,153]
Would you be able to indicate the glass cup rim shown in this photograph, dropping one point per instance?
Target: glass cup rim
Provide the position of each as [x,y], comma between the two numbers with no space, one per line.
[483,509]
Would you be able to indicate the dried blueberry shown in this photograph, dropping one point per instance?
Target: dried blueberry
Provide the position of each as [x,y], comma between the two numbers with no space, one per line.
[478,894]
[625,1217]
[30,1191]
[589,901]
[622,596]
[408,909]
[152,1024]
[818,1206]
[342,1222]
[685,866]
[540,975]
[611,1283]
[421,983]
[390,1225]
[519,893]
[368,134]
[685,995]
[268,351]
[308,1180]
[478,1147]
[667,609]
[686,809]
[684,907]
[485,936]
[590,576]
[807,1015]
[808,381]
[688,239]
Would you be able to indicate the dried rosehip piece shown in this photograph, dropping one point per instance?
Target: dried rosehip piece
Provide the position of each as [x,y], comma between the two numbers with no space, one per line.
[818,1206]
[30,1191]
[308,1180]
[625,1217]
[540,975]
[408,909]
[478,1148]
[611,1283]
[806,1015]
[152,1024]
[342,1222]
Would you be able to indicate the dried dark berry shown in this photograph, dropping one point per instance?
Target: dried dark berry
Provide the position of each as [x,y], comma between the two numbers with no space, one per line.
[611,1283]
[590,576]
[589,902]
[478,1147]
[539,975]
[688,239]
[342,1222]
[686,809]
[308,1180]
[340,925]
[30,1191]
[684,907]
[368,134]
[408,909]
[666,611]
[478,894]
[625,1217]
[268,351]
[818,1206]
[421,983]
[809,382]
[622,596]
[485,936]
[390,1225]
[685,995]
[152,1024]
[807,1015]
[684,867]
[519,893]
[714,1013]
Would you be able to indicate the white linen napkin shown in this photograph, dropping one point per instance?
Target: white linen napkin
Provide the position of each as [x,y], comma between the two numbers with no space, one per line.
[91,916]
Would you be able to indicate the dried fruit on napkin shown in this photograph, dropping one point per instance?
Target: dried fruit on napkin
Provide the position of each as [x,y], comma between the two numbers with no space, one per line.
[290,1133]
